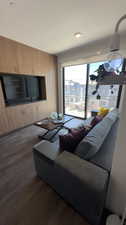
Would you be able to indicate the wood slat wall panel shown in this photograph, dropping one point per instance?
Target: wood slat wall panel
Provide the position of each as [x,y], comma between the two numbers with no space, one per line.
[22,59]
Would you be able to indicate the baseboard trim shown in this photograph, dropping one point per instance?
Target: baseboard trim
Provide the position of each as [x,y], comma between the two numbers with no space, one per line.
[18,129]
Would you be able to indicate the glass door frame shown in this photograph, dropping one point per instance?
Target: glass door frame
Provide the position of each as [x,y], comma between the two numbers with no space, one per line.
[121,86]
[86,89]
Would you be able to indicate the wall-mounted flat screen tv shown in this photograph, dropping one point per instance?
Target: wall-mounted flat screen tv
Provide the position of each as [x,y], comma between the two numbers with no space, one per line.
[18,89]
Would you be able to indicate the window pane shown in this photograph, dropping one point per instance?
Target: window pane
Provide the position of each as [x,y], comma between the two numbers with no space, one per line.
[74,90]
[107,100]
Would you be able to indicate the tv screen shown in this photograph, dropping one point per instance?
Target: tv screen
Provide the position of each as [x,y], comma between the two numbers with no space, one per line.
[19,89]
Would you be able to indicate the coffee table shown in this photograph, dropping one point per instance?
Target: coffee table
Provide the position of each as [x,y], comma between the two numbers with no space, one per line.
[52,125]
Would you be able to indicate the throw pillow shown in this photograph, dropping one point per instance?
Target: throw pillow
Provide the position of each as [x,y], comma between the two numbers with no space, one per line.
[79,133]
[70,141]
[96,120]
[103,111]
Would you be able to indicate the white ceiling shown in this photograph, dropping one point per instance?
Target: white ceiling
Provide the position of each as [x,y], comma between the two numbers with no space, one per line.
[49,25]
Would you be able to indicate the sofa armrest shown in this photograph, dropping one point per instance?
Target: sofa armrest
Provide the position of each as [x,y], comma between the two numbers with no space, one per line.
[83,184]
[44,155]
[46,150]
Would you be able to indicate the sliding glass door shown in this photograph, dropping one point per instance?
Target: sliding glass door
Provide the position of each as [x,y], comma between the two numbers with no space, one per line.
[74,90]
[78,98]
[108,96]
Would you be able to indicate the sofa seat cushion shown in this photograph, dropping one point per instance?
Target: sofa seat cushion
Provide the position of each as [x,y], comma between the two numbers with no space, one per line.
[91,144]
[83,170]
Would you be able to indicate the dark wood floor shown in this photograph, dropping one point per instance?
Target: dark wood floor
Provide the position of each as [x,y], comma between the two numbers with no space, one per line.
[24,198]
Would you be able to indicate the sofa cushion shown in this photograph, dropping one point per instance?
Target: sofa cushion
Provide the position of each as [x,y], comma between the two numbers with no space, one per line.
[104,156]
[113,115]
[83,170]
[91,144]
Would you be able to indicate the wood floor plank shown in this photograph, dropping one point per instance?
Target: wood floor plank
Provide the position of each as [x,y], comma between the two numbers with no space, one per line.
[24,198]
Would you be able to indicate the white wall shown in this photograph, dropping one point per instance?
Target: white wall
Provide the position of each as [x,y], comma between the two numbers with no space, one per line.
[117,188]
[90,51]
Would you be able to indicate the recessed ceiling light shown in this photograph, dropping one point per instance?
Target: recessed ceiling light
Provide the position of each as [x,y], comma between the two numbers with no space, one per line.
[78,35]
[12,2]
[99,53]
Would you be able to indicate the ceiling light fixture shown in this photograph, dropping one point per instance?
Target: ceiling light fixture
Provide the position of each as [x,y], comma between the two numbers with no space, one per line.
[78,35]
[115,59]
[98,52]
[12,2]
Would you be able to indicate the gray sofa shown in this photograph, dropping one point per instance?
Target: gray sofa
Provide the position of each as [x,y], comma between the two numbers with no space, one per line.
[81,178]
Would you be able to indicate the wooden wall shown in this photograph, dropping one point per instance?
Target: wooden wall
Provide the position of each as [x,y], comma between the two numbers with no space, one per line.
[21,59]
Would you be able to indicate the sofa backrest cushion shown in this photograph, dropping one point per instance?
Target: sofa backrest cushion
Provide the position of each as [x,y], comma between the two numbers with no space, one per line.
[91,144]
[104,156]
[113,115]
